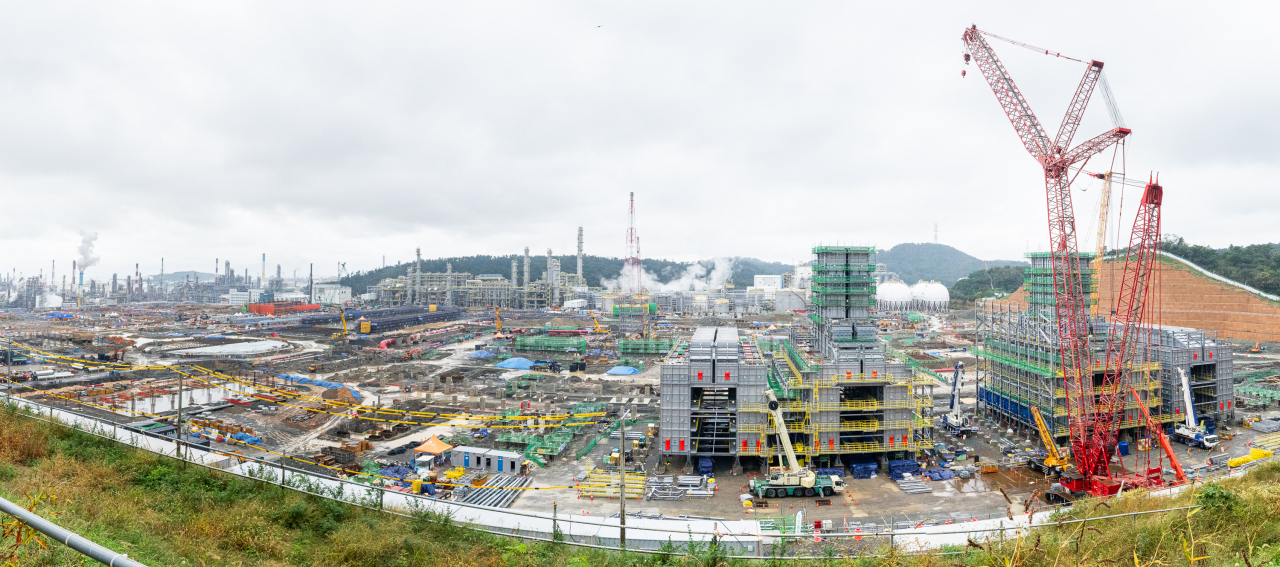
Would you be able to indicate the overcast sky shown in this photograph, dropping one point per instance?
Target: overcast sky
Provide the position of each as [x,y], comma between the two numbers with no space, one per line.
[326,132]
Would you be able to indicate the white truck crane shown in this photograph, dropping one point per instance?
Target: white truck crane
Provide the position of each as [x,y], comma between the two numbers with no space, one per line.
[955,422]
[794,480]
[1190,432]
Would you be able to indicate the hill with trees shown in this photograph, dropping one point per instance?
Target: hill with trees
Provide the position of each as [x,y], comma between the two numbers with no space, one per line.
[1257,265]
[596,269]
[995,282]
[935,262]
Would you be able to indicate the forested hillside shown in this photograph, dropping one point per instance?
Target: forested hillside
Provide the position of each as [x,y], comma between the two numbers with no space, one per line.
[934,262]
[594,269]
[1257,265]
[995,282]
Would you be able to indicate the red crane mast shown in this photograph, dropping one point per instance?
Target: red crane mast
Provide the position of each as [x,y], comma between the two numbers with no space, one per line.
[1123,344]
[1056,158]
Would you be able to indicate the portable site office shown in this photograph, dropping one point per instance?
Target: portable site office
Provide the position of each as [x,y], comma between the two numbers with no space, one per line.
[487,460]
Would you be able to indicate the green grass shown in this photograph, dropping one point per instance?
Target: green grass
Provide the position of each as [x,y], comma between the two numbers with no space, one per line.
[162,514]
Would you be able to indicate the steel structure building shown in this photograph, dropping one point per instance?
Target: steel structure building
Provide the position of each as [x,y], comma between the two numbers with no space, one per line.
[841,394]
[1019,364]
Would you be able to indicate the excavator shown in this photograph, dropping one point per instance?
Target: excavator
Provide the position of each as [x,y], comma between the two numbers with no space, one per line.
[794,480]
[1257,347]
[1055,463]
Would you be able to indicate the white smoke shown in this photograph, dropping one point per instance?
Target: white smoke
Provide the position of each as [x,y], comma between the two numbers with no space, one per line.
[87,257]
[699,276]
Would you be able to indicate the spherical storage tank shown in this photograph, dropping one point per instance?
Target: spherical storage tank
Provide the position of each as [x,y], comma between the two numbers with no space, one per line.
[933,296]
[893,296]
[917,292]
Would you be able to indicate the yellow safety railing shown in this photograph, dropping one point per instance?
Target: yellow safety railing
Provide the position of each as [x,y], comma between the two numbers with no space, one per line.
[864,447]
[784,405]
[873,425]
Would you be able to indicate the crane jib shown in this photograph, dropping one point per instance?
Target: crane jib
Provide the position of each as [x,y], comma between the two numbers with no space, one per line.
[1092,413]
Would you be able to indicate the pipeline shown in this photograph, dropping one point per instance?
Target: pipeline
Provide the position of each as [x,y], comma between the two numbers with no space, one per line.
[85,547]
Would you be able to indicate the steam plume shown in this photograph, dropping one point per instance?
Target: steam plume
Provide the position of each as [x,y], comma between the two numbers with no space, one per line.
[87,257]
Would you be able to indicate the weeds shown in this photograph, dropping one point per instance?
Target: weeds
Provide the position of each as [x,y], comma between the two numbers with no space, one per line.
[164,514]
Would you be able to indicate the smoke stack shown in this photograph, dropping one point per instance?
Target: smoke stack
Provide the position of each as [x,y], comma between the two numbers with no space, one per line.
[448,283]
[263,282]
[526,268]
[579,252]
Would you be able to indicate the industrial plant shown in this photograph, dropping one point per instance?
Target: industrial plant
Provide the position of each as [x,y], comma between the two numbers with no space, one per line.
[827,399]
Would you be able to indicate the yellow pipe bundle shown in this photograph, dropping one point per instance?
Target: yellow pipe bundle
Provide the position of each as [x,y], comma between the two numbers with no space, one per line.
[1254,455]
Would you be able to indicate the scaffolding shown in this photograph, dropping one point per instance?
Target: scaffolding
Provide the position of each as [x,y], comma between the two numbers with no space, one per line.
[556,344]
[644,346]
[1019,363]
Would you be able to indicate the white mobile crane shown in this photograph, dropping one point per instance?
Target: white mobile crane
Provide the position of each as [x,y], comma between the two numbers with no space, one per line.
[794,480]
[957,423]
[1190,432]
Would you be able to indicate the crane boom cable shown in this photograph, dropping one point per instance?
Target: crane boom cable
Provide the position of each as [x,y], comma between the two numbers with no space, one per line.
[1070,305]
[1113,109]
[1029,46]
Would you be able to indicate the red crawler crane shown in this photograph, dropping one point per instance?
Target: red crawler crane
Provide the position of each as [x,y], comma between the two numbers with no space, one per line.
[1123,347]
[1056,157]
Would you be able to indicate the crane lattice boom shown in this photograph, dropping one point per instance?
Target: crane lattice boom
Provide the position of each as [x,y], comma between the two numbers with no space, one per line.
[1057,158]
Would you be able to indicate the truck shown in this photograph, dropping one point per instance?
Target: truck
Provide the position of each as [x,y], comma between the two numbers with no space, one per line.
[793,480]
[1190,432]
[955,422]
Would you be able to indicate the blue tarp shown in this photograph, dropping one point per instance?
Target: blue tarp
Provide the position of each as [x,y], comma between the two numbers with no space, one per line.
[396,472]
[481,354]
[517,362]
[622,371]
[939,474]
[863,470]
[245,437]
[828,472]
[898,468]
[322,383]
[704,466]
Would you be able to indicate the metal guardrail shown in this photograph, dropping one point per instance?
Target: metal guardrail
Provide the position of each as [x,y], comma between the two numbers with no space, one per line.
[68,538]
